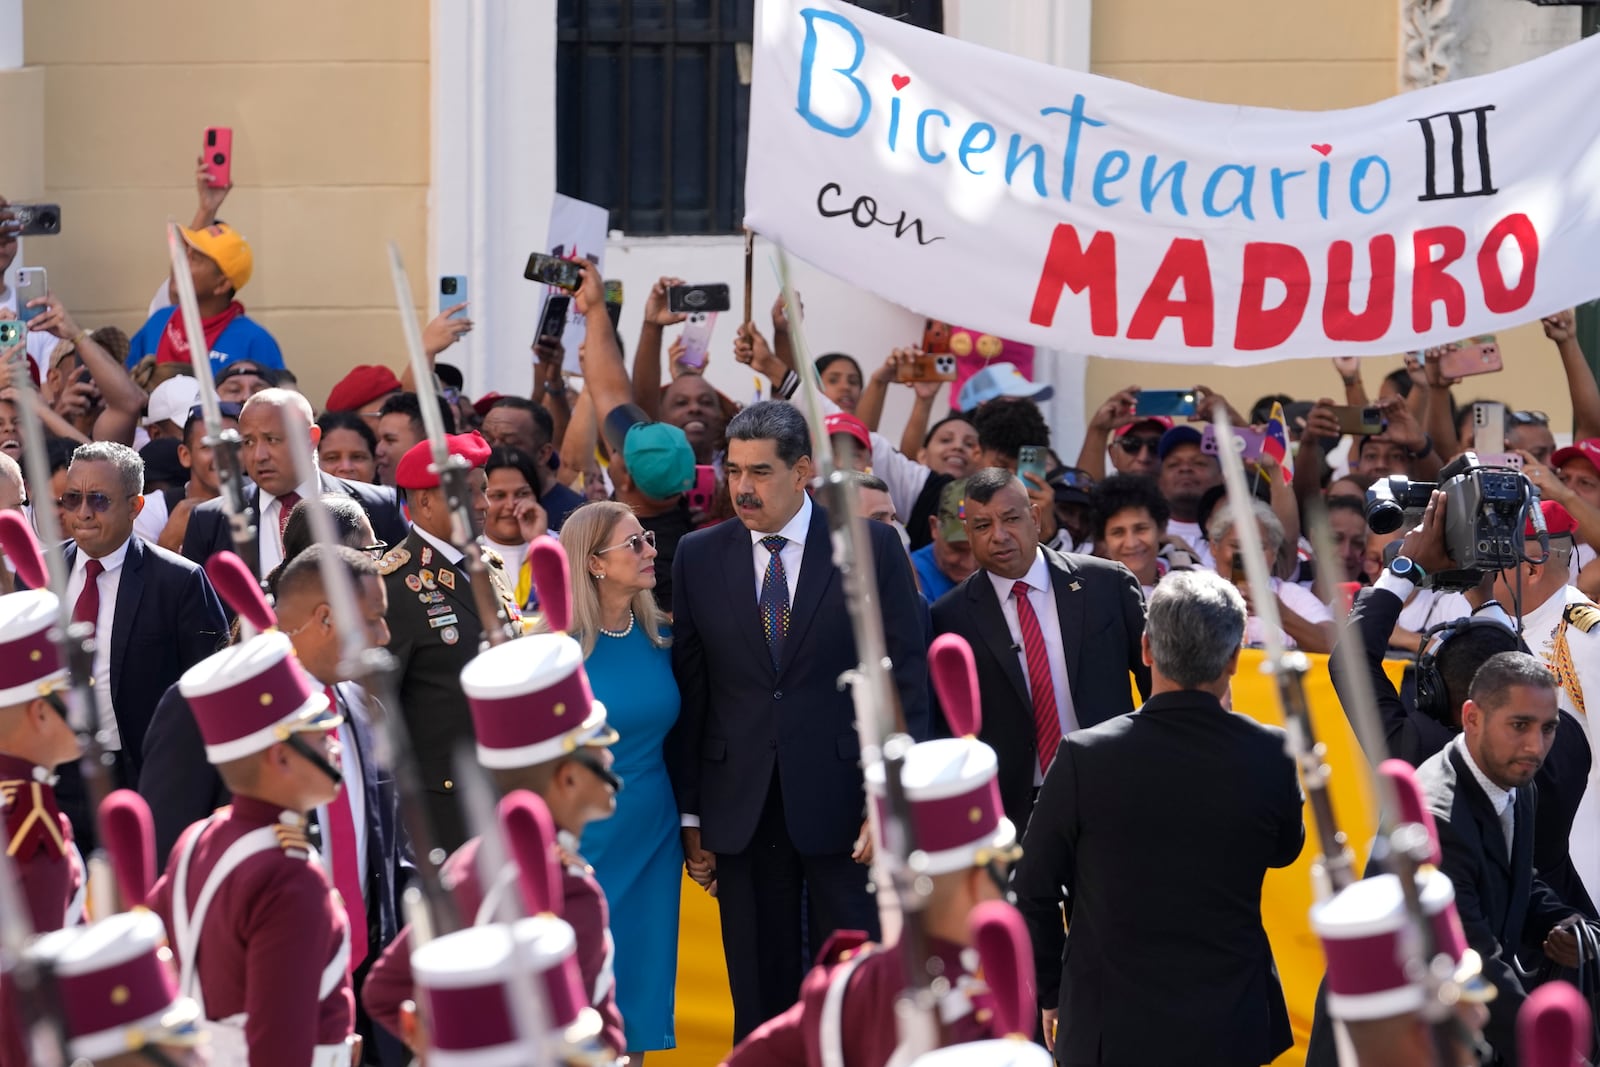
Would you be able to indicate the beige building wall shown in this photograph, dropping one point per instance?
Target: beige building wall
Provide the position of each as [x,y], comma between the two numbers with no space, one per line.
[1307,55]
[329,107]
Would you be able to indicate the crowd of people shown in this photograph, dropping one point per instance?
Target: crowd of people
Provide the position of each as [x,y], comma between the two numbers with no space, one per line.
[687,643]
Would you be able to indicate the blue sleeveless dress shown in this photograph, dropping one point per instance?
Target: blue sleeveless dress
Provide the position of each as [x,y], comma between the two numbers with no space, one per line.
[637,854]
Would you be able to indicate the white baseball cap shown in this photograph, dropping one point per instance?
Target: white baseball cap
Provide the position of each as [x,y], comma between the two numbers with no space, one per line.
[171,400]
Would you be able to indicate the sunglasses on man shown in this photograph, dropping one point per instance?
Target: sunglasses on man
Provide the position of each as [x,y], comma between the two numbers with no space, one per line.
[99,503]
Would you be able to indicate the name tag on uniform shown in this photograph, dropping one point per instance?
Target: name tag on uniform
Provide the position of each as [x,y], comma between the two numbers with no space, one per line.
[443,620]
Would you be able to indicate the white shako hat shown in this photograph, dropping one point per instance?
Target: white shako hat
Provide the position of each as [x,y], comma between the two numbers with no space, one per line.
[531,702]
[252,695]
[30,663]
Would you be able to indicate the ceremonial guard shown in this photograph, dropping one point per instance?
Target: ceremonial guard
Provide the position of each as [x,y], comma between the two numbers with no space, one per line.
[261,941]
[845,1016]
[434,622]
[539,729]
[34,739]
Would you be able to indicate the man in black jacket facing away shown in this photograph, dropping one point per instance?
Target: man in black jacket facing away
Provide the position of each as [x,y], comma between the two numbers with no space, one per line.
[1161,826]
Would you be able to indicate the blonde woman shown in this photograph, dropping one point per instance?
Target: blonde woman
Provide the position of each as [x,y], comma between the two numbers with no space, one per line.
[637,854]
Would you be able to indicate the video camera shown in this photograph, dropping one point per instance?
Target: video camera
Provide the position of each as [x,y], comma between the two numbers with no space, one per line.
[1486,509]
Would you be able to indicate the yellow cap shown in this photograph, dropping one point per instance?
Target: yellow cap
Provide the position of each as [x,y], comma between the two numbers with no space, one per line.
[223,243]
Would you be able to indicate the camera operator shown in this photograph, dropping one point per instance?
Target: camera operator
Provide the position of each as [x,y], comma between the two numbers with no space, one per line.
[1449,658]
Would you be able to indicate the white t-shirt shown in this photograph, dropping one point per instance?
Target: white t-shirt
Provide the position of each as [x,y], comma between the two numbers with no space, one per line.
[1302,602]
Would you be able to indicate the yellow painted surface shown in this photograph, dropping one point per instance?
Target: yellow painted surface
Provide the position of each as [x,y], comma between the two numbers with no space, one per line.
[705,1013]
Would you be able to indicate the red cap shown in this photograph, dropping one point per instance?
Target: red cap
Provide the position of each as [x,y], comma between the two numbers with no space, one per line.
[844,422]
[1588,448]
[415,469]
[485,402]
[361,386]
[1162,421]
[1557,520]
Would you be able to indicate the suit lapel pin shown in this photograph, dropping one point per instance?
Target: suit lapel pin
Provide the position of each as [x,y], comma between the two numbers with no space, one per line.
[1074,587]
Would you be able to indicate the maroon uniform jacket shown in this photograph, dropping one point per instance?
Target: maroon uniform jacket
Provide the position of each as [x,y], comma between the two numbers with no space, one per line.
[39,840]
[865,1028]
[389,982]
[271,934]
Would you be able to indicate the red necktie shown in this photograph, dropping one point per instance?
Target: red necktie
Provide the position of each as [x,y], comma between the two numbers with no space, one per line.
[286,504]
[346,870]
[87,609]
[1046,724]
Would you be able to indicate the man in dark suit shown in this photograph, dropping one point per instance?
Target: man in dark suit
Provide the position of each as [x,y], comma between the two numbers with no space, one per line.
[268,460]
[182,787]
[155,614]
[765,759]
[434,625]
[1055,661]
[1161,826]
[1480,788]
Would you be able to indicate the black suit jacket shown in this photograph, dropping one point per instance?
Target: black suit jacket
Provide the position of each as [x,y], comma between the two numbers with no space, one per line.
[1414,737]
[1498,896]
[1101,610]
[167,619]
[741,720]
[208,532]
[1161,826]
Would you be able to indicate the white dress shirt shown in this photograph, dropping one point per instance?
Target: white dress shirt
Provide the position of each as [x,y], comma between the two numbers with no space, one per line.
[1042,598]
[353,792]
[270,509]
[795,531]
[452,555]
[109,582]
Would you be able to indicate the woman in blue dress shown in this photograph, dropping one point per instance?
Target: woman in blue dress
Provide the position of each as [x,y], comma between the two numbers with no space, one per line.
[637,854]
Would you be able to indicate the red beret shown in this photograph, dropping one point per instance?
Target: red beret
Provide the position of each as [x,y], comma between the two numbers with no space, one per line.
[415,469]
[1557,520]
[361,386]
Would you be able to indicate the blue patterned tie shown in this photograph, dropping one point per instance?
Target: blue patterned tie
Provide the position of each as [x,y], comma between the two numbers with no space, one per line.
[775,597]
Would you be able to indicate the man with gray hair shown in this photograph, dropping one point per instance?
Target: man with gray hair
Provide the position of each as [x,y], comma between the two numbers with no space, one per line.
[154,613]
[1160,826]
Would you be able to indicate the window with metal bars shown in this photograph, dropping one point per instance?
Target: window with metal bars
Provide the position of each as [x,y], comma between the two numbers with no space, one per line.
[652,100]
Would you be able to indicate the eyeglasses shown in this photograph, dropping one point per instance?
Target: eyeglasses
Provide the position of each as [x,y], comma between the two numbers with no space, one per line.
[1527,418]
[377,548]
[635,543]
[98,503]
[1135,445]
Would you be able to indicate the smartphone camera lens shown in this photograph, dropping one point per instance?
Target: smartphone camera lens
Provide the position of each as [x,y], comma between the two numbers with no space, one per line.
[448,286]
[218,158]
[49,220]
[211,138]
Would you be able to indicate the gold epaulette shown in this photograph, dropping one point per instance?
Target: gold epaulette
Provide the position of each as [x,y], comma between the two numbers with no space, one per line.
[1584,616]
[393,560]
[292,839]
[492,558]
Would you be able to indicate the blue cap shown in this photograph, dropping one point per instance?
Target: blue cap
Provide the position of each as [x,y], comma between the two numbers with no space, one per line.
[659,459]
[1180,434]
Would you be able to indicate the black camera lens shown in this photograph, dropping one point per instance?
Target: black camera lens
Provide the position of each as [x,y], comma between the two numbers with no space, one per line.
[1384,513]
[448,286]
[49,220]
[218,158]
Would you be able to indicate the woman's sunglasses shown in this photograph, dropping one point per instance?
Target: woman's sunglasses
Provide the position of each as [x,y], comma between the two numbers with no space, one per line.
[635,544]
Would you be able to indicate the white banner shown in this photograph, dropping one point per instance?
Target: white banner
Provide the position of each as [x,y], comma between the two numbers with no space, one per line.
[1085,214]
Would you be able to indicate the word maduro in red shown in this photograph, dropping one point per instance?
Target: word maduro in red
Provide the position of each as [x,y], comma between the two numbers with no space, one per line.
[1437,254]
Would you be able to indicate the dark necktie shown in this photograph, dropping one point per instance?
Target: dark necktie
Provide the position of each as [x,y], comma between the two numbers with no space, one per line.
[286,504]
[1046,723]
[87,609]
[775,597]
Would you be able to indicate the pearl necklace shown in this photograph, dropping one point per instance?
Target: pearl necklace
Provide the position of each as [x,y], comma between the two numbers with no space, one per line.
[624,632]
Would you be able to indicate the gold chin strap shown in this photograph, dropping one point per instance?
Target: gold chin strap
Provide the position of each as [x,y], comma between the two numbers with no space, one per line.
[1566,672]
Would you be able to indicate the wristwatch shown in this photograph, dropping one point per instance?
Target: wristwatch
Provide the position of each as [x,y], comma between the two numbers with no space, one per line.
[1406,568]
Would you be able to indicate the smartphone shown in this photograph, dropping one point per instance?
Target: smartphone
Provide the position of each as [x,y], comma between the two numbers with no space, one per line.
[1488,426]
[1236,573]
[12,332]
[928,367]
[935,337]
[1032,459]
[561,273]
[696,338]
[1295,415]
[613,291]
[1246,442]
[553,320]
[31,285]
[216,156]
[453,291]
[1170,402]
[1360,421]
[687,298]
[704,493]
[37,220]
[1481,355]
